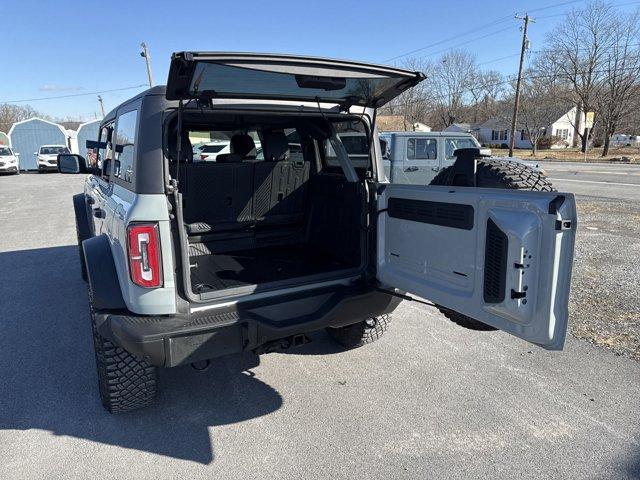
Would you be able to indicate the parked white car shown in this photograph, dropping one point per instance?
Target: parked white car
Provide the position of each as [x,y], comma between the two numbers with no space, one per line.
[9,161]
[48,156]
[208,152]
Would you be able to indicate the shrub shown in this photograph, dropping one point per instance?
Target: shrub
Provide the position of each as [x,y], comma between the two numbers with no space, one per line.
[546,142]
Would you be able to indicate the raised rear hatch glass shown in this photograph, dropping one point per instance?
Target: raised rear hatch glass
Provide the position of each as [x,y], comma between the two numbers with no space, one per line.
[285,77]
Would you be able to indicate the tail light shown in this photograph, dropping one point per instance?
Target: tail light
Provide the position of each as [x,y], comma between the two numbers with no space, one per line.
[144,254]
[203,156]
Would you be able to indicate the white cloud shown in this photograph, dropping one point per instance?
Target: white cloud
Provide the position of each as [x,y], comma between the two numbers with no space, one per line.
[52,87]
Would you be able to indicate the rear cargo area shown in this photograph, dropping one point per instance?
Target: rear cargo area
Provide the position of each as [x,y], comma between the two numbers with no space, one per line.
[272,219]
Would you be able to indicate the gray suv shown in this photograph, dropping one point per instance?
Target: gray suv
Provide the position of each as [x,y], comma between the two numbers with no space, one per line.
[188,261]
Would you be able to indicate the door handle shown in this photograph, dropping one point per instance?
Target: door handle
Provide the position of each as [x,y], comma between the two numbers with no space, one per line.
[411,169]
[98,213]
[435,169]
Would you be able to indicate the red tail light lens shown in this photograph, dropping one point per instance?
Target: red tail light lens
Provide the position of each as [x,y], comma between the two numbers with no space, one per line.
[203,156]
[144,254]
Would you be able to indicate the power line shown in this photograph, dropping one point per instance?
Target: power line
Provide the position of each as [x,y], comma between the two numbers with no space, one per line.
[556,5]
[74,94]
[487,25]
[498,59]
[448,39]
[472,40]
[511,78]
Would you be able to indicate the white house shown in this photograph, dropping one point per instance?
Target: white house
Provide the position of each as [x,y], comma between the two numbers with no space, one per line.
[497,131]
[471,128]
[420,127]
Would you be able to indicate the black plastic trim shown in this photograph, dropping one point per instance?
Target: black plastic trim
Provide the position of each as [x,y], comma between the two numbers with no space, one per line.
[173,340]
[102,275]
[496,251]
[82,221]
[454,215]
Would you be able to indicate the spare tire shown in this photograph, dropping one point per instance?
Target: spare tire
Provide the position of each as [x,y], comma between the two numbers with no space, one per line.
[494,173]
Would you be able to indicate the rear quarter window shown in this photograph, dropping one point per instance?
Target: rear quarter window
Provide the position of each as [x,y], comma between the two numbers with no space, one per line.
[125,142]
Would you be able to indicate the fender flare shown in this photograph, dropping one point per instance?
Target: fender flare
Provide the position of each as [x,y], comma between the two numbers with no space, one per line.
[82,219]
[102,275]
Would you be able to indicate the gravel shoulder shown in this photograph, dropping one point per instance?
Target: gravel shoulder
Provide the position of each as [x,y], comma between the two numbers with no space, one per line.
[605,305]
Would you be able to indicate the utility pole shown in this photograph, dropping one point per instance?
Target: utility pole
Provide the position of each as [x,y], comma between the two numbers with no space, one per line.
[145,54]
[101,105]
[514,120]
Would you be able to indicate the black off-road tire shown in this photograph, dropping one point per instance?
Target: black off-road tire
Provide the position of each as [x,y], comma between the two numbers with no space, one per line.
[361,333]
[501,173]
[494,173]
[125,383]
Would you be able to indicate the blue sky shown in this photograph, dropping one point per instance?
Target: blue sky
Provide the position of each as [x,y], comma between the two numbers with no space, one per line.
[54,48]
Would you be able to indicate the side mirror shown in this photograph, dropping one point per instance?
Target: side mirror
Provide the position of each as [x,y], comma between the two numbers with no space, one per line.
[35,153]
[16,154]
[69,163]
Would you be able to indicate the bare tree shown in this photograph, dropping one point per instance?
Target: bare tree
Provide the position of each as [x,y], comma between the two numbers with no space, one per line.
[450,80]
[485,89]
[576,53]
[415,103]
[621,66]
[10,114]
[540,106]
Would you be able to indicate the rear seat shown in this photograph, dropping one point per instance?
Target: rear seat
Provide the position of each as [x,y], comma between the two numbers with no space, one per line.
[232,194]
[280,183]
[218,197]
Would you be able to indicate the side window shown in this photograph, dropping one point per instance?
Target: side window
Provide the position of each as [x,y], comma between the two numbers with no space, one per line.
[104,156]
[452,144]
[355,139]
[125,146]
[422,149]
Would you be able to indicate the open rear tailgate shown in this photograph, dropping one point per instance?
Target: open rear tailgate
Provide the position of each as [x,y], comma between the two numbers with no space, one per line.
[285,77]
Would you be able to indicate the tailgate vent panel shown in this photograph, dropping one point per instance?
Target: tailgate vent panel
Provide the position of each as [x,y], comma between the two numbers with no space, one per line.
[495,263]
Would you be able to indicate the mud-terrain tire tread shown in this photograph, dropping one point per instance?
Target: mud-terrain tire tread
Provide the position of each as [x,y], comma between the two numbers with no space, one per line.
[495,173]
[361,333]
[501,173]
[125,383]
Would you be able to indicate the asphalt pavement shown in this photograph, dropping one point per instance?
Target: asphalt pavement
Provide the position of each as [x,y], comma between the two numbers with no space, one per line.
[596,180]
[429,400]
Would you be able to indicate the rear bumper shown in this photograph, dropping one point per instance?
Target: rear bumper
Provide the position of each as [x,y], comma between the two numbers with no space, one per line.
[170,341]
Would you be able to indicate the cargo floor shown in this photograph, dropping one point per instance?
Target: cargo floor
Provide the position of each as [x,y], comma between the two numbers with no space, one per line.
[251,267]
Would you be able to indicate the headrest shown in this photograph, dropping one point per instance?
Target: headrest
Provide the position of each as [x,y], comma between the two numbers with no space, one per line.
[186,147]
[242,144]
[229,158]
[275,146]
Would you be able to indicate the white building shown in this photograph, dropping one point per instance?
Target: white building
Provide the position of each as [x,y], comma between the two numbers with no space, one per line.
[29,135]
[497,131]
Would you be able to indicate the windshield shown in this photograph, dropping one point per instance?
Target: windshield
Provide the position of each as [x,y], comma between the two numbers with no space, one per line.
[4,151]
[53,150]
